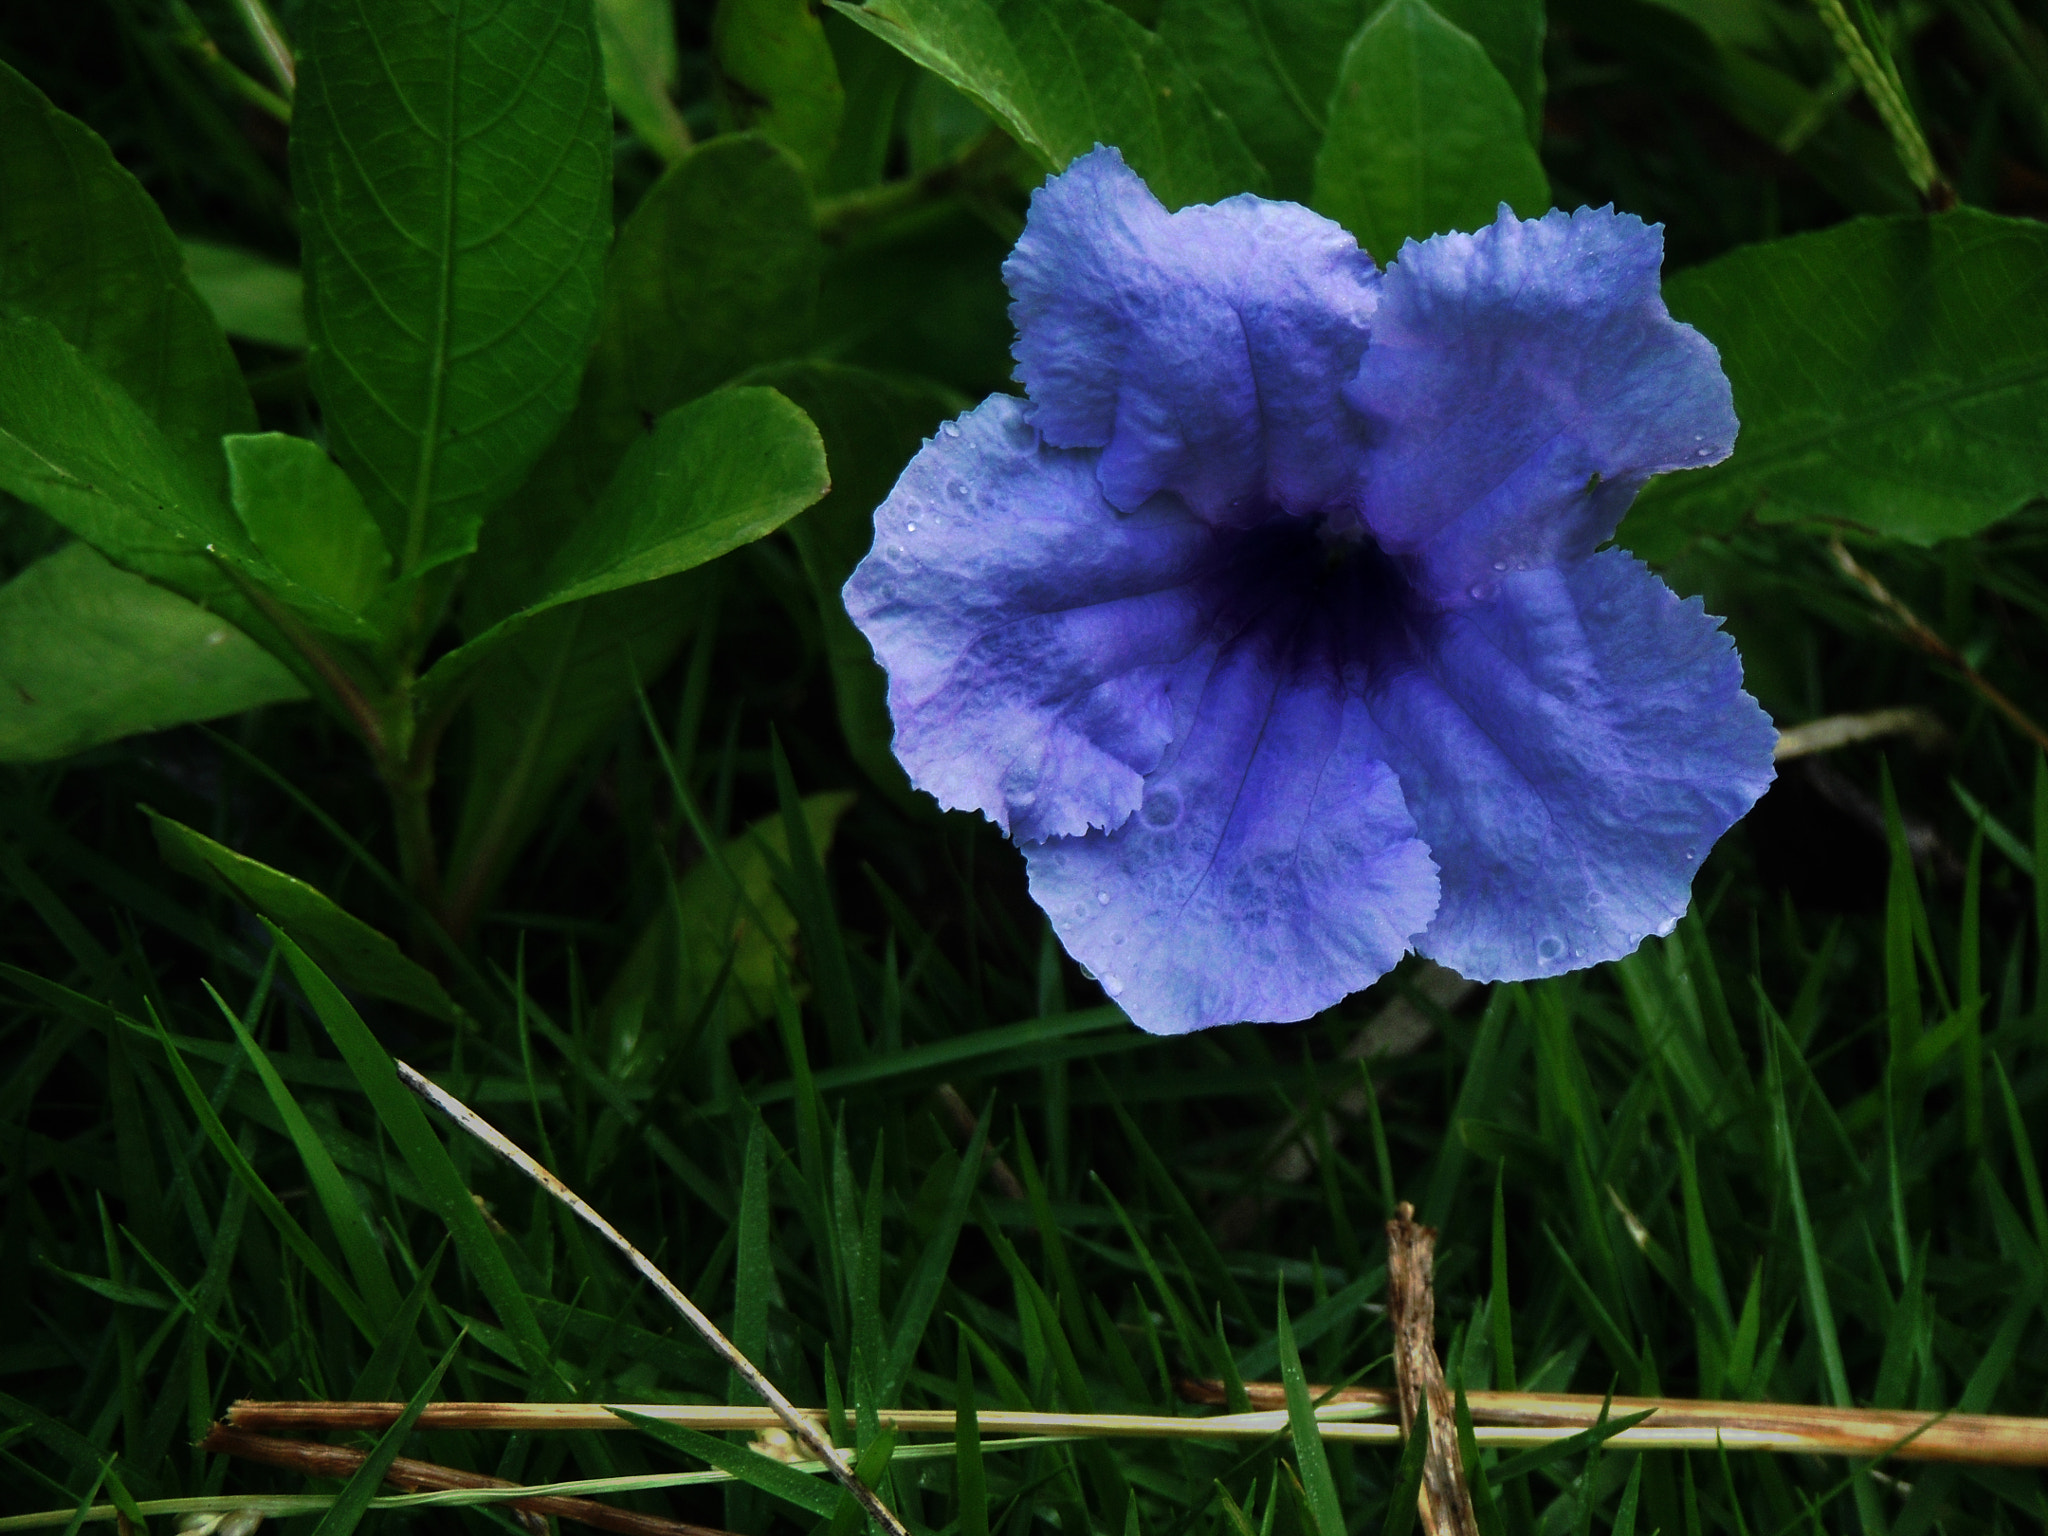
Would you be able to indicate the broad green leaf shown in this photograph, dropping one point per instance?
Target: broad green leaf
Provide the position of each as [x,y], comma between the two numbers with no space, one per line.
[90,653]
[1511,32]
[251,296]
[871,424]
[713,475]
[1888,372]
[1065,75]
[73,443]
[716,920]
[1271,67]
[1424,135]
[776,74]
[638,40]
[83,247]
[715,272]
[453,163]
[356,953]
[307,518]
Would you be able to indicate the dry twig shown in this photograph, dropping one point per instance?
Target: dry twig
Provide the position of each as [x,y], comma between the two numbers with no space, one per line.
[339,1461]
[1444,1501]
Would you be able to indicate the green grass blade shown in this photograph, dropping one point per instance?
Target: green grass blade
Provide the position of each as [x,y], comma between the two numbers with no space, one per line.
[1498,1313]
[406,1124]
[1484,1511]
[1403,1508]
[379,1377]
[970,1477]
[293,1235]
[921,1294]
[347,1511]
[1318,1486]
[1539,1457]
[345,1214]
[2023,1154]
[778,1479]
[1631,1494]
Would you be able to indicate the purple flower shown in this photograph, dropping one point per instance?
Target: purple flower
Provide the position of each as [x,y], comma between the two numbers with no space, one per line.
[1273,623]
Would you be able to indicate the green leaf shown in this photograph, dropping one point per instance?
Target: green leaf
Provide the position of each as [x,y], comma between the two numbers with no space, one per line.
[776,74]
[713,475]
[689,942]
[1424,135]
[73,443]
[307,518]
[715,272]
[90,653]
[871,424]
[638,40]
[1892,372]
[1272,67]
[1065,75]
[87,250]
[454,168]
[357,953]
[251,296]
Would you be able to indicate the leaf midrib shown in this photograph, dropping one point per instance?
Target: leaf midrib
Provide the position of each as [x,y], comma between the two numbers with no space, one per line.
[444,304]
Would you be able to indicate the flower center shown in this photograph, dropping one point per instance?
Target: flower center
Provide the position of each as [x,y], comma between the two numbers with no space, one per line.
[1319,592]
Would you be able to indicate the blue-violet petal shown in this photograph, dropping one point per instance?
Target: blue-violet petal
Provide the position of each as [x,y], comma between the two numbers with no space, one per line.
[1523,382]
[1570,751]
[1273,867]
[1203,351]
[1031,632]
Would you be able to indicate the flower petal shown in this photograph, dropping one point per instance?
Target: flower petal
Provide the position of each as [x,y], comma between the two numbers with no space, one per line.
[1570,751]
[1032,633]
[1273,868]
[1204,351]
[1524,382]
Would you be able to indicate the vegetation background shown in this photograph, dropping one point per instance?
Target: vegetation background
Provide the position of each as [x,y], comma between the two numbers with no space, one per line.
[1788,1152]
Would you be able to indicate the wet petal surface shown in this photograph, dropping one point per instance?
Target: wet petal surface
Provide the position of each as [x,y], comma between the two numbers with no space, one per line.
[1203,351]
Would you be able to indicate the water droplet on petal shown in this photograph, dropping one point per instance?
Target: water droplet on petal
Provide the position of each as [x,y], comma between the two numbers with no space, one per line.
[1703,452]
[957,490]
[950,429]
[1112,985]
[1161,808]
[1103,897]
[1088,973]
[1500,565]
[1691,854]
[1081,909]
[1549,948]
[1596,899]
[910,527]
[1480,591]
